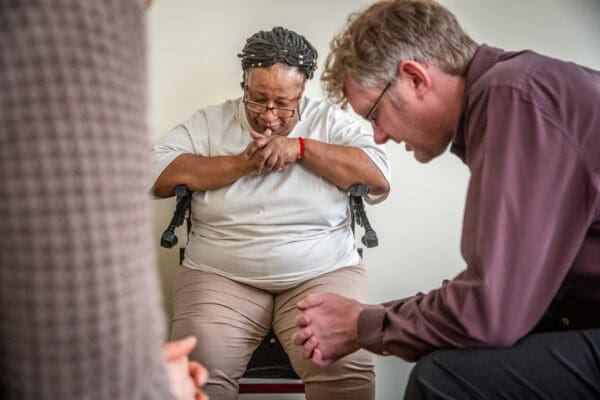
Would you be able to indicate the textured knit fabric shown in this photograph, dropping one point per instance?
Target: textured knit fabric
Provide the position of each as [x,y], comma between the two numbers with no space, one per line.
[275,230]
[530,135]
[79,303]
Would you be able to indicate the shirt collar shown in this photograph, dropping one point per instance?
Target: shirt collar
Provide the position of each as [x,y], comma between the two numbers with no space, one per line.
[484,59]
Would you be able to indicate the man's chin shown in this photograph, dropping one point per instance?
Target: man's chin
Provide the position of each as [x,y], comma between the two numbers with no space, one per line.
[422,157]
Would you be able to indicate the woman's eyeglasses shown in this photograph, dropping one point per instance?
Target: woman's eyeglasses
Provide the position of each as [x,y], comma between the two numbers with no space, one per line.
[261,108]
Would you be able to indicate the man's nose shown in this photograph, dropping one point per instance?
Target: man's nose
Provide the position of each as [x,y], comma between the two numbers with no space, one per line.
[379,134]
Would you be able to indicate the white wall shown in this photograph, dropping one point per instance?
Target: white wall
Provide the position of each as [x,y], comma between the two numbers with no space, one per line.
[193,47]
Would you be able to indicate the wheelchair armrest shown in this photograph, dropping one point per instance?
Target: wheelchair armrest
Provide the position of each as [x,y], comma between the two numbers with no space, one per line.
[359,214]
[168,239]
[182,203]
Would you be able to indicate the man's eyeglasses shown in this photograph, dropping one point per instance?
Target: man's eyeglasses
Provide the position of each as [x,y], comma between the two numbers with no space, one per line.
[369,116]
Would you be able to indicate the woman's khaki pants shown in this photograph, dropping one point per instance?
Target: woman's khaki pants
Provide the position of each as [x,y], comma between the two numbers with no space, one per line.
[230,319]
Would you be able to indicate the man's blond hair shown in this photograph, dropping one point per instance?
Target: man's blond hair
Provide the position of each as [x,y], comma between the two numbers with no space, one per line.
[376,40]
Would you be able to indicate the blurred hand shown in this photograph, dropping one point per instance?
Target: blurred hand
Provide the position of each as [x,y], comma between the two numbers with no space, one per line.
[186,377]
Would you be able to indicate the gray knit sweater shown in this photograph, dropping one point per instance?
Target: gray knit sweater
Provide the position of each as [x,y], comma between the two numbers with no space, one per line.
[80,314]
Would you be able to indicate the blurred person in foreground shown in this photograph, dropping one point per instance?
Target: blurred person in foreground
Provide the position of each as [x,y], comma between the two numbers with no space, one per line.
[80,311]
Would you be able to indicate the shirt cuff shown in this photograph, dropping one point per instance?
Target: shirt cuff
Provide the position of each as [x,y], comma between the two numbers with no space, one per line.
[370,330]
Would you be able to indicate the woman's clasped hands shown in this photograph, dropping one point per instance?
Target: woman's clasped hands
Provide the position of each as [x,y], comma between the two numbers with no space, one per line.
[268,152]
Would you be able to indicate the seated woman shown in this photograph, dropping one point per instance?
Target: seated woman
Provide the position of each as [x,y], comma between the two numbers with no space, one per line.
[270,217]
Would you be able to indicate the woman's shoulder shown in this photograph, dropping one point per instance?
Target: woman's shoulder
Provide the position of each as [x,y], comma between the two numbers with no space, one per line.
[214,115]
[224,110]
[320,109]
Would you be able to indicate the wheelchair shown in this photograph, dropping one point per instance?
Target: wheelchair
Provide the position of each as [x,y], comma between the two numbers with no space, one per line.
[269,369]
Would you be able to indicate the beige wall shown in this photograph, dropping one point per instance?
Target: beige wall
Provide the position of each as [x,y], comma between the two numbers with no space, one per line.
[193,63]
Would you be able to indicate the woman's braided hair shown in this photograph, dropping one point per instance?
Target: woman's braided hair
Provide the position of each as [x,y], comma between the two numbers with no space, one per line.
[279,45]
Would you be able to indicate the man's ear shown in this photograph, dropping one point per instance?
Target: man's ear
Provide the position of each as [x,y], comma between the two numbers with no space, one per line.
[416,75]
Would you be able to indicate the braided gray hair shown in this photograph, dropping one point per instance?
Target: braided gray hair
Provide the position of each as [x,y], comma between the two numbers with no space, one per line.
[279,45]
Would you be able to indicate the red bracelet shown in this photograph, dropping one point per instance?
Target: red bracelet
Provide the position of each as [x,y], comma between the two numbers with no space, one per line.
[301,140]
